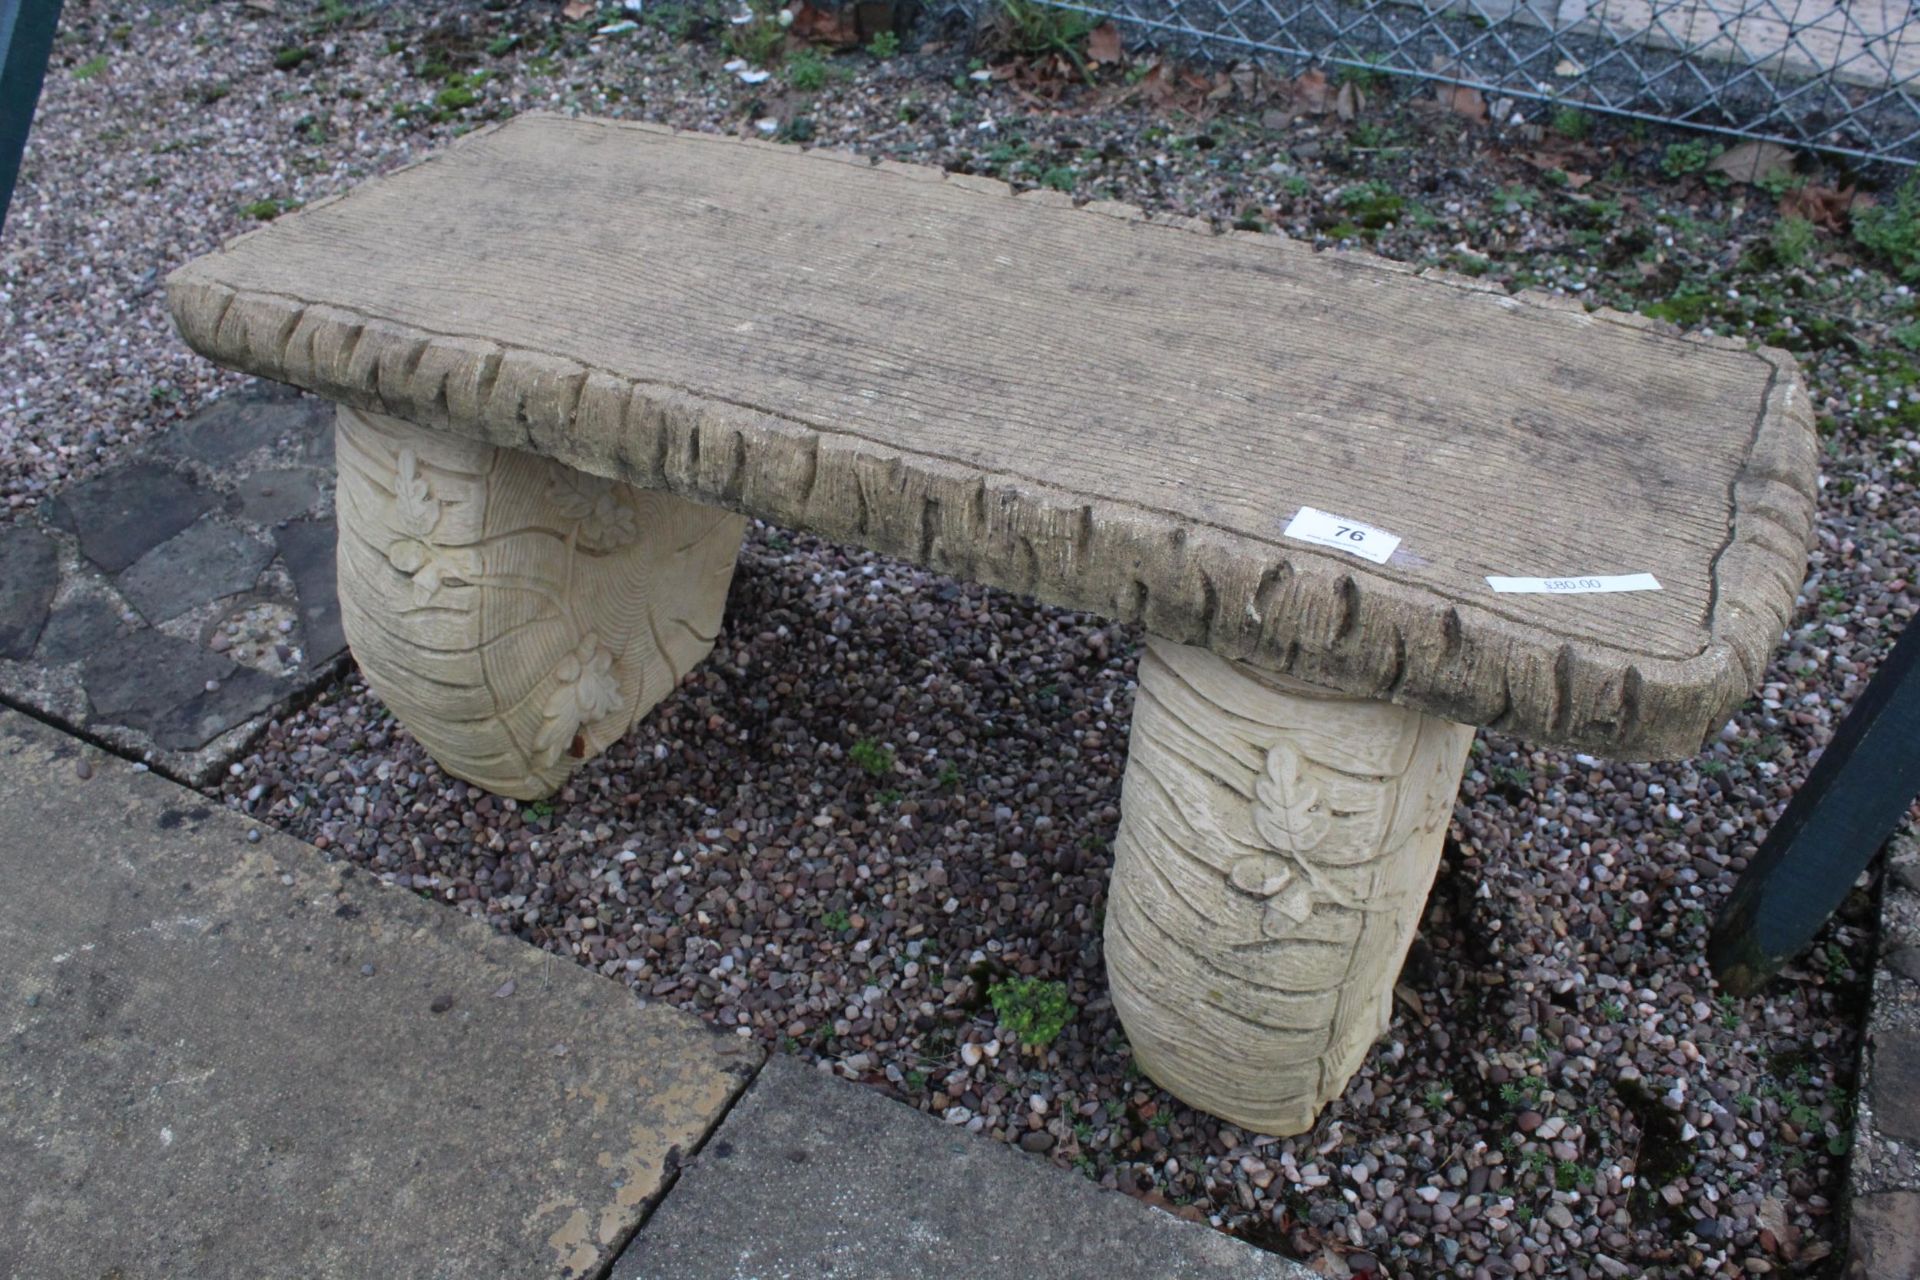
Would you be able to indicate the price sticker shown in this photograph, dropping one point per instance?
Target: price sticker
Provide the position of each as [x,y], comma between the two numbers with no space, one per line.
[1342,534]
[1575,586]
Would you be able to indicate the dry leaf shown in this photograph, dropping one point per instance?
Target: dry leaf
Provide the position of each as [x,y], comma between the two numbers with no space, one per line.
[1350,101]
[1462,100]
[574,10]
[1310,93]
[1411,998]
[263,6]
[839,28]
[1824,207]
[1754,162]
[1103,44]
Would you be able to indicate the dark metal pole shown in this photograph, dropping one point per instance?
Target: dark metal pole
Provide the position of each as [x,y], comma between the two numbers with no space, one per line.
[1858,792]
[26,40]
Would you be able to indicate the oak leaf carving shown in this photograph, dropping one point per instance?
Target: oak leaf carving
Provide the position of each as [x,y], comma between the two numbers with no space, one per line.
[1287,809]
[413,501]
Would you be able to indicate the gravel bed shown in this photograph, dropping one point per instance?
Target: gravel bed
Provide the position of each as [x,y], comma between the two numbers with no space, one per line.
[889,793]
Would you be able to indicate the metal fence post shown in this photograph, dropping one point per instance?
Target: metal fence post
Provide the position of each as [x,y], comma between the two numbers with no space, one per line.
[1858,792]
[26,40]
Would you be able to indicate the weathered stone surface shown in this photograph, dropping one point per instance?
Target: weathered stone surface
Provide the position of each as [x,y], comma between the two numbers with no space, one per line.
[811,1176]
[307,551]
[208,560]
[122,515]
[1494,435]
[515,614]
[234,1061]
[81,628]
[263,417]
[236,698]
[268,497]
[142,680]
[1905,961]
[29,576]
[1885,1236]
[1896,1084]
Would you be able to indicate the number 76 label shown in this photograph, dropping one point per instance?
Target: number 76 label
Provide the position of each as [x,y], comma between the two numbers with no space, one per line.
[1342,534]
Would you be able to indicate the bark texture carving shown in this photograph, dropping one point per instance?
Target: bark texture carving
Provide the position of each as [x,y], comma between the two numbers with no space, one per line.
[517,615]
[1276,845]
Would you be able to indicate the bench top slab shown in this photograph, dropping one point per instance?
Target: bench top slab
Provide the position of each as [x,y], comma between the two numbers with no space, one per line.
[1111,412]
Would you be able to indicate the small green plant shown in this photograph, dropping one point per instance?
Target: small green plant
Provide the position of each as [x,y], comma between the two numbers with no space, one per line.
[265,210]
[1517,198]
[1572,123]
[1369,75]
[1034,1009]
[1372,205]
[290,57]
[871,756]
[1569,1174]
[1687,306]
[1793,241]
[887,798]
[836,921]
[757,41]
[806,70]
[1779,183]
[1613,1011]
[1435,1099]
[1059,178]
[1031,28]
[1516,776]
[540,810]
[1684,158]
[1891,230]
[501,46]
[455,98]
[91,67]
[949,775]
[1295,187]
[884,46]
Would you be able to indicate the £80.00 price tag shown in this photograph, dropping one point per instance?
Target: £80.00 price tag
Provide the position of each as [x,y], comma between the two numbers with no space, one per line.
[1342,534]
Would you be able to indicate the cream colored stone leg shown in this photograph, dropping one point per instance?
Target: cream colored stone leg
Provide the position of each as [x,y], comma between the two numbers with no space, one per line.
[1276,845]
[515,614]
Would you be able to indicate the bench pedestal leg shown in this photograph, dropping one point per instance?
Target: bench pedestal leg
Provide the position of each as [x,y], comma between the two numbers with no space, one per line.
[1276,845]
[515,614]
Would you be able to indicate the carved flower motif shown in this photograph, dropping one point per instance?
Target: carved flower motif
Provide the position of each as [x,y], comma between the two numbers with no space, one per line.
[598,507]
[432,567]
[417,510]
[585,692]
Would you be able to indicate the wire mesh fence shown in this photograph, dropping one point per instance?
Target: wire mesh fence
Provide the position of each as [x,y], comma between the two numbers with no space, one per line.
[1841,76]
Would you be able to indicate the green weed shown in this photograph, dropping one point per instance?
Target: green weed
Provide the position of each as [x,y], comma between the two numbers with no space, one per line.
[1034,1009]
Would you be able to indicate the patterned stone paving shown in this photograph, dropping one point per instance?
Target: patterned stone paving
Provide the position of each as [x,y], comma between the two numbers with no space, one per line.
[167,607]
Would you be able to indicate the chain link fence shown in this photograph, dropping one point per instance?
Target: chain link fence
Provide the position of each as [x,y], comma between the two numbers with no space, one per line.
[1840,76]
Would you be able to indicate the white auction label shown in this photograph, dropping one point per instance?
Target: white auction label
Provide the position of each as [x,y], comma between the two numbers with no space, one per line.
[1342,534]
[1576,586]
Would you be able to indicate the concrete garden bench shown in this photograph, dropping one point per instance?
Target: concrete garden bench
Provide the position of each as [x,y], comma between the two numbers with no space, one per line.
[1357,509]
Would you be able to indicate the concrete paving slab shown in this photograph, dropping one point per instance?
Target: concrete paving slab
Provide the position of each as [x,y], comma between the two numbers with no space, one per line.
[816,1177]
[233,1059]
[1883,1169]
